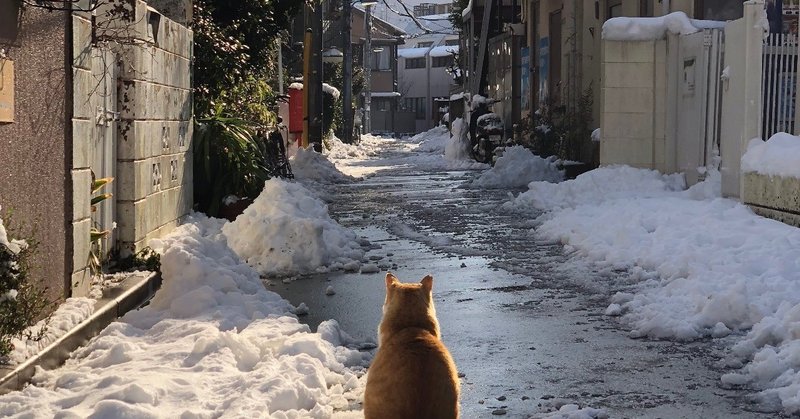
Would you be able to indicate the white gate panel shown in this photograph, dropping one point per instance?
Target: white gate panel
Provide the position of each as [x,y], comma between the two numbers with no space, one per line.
[697,102]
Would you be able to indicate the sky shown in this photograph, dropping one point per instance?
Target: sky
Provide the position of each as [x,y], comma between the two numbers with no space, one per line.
[215,341]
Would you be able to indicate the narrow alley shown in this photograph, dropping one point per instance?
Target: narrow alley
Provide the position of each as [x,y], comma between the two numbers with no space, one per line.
[525,323]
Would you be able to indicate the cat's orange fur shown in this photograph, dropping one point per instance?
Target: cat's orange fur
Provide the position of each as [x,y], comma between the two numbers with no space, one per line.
[413,375]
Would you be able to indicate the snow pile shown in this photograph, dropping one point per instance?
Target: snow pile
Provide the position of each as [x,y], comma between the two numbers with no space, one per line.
[653,28]
[477,100]
[518,167]
[287,230]
[699,266]
[307,164]
[212,343]
[69,314]
[327,88]
[338,150]
[457,147]
[432,141]
[596,135]
[778,156]
[603,184]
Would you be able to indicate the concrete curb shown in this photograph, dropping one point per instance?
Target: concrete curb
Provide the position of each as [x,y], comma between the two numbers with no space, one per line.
[133,292]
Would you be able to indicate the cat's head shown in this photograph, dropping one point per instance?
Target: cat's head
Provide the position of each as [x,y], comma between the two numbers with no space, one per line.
[413,297]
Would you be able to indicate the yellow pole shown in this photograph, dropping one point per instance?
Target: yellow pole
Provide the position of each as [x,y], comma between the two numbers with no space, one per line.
[306,86]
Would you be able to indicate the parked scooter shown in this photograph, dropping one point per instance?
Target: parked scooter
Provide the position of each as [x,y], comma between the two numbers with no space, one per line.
[486,129]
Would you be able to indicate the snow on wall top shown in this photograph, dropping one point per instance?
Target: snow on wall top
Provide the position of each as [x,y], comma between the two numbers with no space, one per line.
[412,52]
[444,50]
[653,28]
[778,156]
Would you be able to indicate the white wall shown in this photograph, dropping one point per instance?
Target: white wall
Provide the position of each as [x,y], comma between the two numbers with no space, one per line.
[741,95]
[632,105]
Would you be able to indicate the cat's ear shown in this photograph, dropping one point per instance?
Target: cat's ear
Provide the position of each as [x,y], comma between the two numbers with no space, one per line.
[390,279]
[427,283]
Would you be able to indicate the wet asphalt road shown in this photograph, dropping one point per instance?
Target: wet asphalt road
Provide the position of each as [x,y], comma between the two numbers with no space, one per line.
[524,323]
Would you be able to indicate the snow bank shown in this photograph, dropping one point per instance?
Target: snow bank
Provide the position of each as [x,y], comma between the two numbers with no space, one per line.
[338,150]
[518,167]
[603,184]
[308,165]
[433,140]
[457,147]
[778,156]
[69,314]
[212,343]
[287,230]
[701,266]
[653,28]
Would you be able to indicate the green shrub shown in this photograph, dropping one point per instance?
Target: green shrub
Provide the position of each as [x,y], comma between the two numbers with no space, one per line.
[23,302]
[227,161]
[146,259]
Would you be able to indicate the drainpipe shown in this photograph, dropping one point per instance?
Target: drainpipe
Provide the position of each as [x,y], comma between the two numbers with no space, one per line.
[664,7]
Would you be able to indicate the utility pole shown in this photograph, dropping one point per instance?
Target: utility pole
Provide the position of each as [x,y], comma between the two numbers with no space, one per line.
[312,77]
[347,74]
[368,66]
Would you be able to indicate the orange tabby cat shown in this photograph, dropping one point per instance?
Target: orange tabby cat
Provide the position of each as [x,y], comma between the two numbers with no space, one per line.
[413,375]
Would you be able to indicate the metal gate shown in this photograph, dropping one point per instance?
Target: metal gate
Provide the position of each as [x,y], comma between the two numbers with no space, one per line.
[699,63]
[779,84]
[104,159]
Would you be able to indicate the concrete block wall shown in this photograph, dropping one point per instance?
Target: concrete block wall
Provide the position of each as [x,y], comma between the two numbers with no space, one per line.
[83,114]
[154,190]
[774,197]
[632,108]
[151,57]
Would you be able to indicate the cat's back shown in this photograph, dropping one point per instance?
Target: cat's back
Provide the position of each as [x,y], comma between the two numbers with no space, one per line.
[412,376]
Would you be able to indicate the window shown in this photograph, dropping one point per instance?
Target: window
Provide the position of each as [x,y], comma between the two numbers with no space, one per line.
[722,9]
[416,105]
[381,59]
[424,44]
[445,61]
[415,63]
[381,104]
[451,42]
[613,8]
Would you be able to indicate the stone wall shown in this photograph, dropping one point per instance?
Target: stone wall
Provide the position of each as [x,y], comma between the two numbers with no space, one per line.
[149,117]
[774,197]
